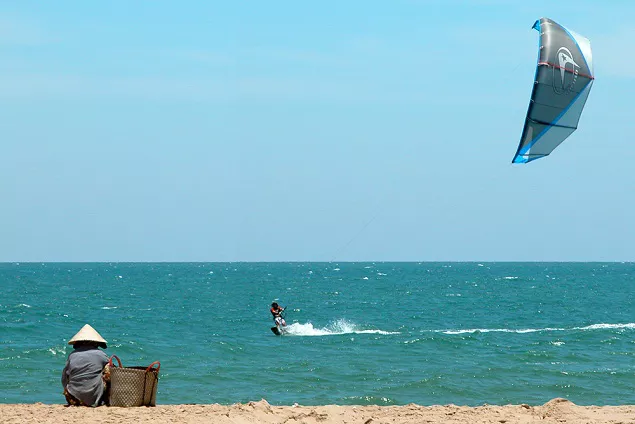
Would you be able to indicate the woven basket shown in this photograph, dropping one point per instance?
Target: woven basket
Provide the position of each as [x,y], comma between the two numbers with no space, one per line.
[133,386]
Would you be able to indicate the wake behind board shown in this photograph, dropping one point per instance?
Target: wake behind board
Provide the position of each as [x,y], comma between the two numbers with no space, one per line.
[276,331]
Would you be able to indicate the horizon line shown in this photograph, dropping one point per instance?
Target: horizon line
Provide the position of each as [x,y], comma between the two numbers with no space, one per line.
[321,261]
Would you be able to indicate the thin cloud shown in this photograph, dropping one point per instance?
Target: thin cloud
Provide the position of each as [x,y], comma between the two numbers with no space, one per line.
[30,87]
[202,57]
[20,32]
[612,53]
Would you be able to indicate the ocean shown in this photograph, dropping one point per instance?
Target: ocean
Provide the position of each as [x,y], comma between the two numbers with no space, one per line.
[358,333]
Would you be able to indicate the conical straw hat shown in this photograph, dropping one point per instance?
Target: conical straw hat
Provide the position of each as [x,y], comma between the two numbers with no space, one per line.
[88,334]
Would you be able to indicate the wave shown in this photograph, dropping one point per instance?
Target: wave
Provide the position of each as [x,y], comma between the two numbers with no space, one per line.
[57,350]
[629,326]
[338,327]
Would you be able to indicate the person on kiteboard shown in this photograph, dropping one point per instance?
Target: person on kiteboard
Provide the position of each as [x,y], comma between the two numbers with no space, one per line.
[276,311]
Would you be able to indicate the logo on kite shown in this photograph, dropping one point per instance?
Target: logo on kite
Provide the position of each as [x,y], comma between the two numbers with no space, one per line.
[568,72]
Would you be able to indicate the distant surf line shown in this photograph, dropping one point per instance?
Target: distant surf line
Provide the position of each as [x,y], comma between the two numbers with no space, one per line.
[629,326]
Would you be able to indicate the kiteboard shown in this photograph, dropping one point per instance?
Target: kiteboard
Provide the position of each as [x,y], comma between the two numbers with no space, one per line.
[276,331]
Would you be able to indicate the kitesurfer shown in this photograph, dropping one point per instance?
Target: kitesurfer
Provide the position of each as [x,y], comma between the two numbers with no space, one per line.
[276,310]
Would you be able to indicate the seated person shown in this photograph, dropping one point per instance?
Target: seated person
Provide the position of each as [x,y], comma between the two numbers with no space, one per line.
[82,376]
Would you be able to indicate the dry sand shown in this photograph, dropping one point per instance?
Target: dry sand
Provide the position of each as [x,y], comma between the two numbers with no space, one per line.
[554,411]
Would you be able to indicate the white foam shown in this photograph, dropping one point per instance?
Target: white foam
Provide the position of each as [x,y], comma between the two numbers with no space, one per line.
[57,351]
[335,328]
[630,326]
[498,330]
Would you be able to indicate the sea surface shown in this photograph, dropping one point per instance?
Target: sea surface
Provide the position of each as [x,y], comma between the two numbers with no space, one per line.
[358,333]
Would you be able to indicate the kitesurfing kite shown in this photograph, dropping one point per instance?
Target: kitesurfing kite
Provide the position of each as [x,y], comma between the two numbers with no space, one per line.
[563,80]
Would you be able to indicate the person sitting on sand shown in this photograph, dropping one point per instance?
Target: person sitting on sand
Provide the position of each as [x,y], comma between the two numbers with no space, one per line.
[82,376]
[276,311]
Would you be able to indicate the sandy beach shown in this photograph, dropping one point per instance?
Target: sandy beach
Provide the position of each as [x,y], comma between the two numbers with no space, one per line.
[554,411]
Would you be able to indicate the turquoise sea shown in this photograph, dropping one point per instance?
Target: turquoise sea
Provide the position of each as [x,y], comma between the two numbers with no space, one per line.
[359,333]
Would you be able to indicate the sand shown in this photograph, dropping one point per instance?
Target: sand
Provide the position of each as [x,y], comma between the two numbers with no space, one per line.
[555,411]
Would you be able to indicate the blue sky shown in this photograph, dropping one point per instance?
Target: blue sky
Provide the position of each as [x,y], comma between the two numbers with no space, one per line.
[317,131]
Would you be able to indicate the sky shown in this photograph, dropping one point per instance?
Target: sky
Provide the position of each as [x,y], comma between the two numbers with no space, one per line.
[337,131]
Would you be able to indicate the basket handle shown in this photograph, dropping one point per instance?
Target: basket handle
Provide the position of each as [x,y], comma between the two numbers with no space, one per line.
[157,363]
[118,360]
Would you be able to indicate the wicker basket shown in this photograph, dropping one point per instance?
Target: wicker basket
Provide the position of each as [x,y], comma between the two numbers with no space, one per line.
[133,386]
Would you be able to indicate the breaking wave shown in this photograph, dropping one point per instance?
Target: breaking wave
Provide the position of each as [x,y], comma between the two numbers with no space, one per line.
[629,326]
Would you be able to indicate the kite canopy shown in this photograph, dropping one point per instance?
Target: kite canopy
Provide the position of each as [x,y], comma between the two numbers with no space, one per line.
[563,80]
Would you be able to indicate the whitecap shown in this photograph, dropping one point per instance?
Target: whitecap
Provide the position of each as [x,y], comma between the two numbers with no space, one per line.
[630,326]
[498,330]
[57,351]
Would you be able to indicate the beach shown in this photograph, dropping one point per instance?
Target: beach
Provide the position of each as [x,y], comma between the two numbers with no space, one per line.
[557,410]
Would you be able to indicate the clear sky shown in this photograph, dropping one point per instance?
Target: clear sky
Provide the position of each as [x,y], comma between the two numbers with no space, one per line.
[306,131]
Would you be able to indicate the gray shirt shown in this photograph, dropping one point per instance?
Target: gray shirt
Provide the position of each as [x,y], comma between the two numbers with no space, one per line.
[82,374]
